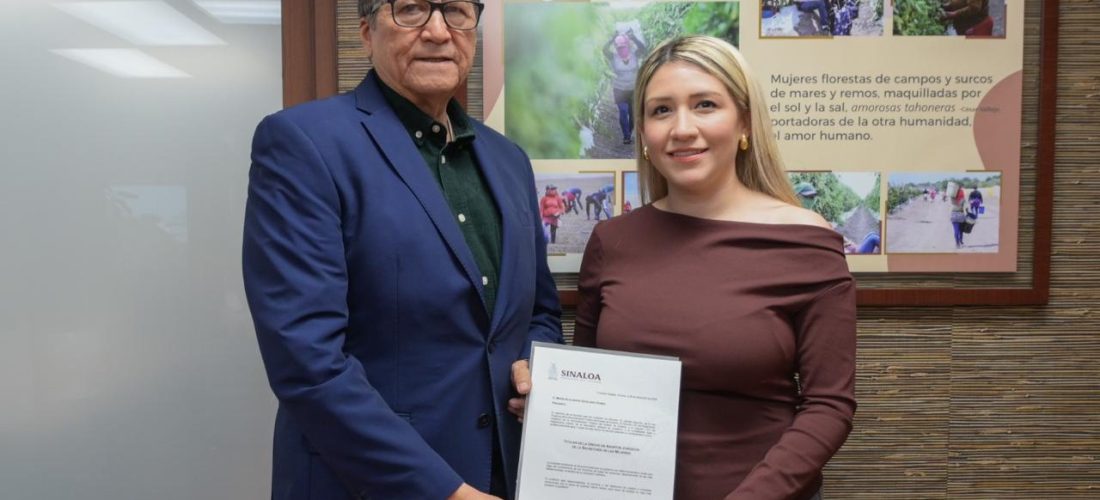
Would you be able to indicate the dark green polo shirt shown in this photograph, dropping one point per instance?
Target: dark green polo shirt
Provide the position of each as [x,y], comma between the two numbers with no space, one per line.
[456,169]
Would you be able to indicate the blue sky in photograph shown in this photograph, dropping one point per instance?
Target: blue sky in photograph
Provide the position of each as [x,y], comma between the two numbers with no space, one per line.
[860,182]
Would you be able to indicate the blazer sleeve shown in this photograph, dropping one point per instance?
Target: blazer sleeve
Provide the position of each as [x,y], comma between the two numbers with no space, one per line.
[546,313]
[589,294]
[296,281]
[826,329]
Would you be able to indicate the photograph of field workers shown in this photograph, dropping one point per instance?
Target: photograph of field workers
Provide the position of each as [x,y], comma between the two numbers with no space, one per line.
[570,205]
[969,18]
[570,67]
[947,212]
[822,18]
[850,201]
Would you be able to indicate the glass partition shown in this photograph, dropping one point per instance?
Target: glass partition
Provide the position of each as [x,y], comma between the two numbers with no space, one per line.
[128,364]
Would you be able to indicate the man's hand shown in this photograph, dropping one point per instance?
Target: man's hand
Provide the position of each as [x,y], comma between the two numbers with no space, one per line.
[521,380]
[467,492]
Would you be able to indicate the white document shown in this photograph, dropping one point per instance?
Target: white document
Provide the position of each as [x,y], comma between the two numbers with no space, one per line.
[599,425]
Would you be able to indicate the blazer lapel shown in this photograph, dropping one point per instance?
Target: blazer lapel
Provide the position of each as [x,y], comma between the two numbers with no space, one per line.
[395,144]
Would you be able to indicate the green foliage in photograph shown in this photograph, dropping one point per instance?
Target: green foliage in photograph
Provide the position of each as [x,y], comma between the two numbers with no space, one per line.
[874,198]
[661,20]
[833,200]
[720,19]
[553,66]
[897,196]
[557,75]
[918,18]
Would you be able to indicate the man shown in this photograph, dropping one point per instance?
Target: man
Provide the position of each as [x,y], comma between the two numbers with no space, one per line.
[395,268]
[596,200]
[976,202]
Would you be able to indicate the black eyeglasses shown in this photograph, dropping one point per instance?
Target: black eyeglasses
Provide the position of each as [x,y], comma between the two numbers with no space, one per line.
[458,14]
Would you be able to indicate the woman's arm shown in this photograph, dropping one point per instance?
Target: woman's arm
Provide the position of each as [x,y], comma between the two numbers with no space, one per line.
[589,299]
[826,330]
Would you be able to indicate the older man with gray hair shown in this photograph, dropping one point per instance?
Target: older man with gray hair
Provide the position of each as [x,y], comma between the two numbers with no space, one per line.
[396,272]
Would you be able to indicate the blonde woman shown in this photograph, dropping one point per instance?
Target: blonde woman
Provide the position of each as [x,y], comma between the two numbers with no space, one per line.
[725,270]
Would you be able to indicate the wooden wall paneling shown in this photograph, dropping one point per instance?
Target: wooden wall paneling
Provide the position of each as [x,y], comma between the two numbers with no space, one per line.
[309,50]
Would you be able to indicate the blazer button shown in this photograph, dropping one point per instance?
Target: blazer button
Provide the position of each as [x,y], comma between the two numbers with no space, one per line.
[492,347]
[483,421]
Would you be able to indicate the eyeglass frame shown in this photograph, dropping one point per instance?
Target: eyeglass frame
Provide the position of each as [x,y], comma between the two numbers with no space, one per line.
[432,7]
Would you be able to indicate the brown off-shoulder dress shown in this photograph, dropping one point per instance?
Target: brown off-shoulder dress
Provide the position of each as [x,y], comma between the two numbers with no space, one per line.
[747,307]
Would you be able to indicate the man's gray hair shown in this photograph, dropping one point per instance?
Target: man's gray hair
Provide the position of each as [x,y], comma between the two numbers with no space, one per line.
[367,8]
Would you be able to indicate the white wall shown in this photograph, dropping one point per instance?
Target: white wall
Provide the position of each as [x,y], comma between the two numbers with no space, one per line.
[128,364]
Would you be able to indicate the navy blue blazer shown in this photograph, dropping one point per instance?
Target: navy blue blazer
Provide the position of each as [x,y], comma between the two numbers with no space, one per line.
[368,304]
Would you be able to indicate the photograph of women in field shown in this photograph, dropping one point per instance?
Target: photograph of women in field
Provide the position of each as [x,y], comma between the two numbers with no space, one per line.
[570,205]
[948,212]
[850,201]
[822,18]
[969,18]
[569,69]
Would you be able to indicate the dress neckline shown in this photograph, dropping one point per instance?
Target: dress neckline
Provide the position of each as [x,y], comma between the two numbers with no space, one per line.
[671,214]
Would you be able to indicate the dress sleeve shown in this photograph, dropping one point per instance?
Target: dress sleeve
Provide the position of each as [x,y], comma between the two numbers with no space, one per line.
[589,299]
[826,329]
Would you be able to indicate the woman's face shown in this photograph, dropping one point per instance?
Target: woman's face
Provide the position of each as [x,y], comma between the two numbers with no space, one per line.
[692,127]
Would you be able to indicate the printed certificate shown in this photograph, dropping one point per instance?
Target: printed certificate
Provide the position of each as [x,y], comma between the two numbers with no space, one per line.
[599,425]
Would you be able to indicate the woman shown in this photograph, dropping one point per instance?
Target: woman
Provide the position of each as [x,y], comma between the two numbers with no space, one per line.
[551,207]
[622,52]
[724,270]
[958,215]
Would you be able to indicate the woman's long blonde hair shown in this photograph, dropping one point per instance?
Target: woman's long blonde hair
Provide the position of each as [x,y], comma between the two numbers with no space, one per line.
[760,168]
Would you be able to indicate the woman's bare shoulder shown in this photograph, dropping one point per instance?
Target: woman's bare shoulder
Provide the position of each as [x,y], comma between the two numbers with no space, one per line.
[790,214]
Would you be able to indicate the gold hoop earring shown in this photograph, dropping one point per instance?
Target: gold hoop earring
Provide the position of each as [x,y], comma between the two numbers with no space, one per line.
[645,152]
[744,144]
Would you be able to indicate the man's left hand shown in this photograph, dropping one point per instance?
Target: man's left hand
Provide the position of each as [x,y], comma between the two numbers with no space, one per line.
[521,380]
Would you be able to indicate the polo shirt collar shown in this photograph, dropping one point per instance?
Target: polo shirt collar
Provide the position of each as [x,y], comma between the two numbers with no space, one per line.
[422,127]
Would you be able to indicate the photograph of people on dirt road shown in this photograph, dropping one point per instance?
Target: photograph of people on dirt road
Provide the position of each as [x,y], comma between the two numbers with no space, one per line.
[949,212]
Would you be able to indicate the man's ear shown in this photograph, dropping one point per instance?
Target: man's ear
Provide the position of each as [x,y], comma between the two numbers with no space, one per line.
[364,36]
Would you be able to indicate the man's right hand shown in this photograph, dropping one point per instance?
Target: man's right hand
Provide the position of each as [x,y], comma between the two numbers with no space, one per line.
[467,492]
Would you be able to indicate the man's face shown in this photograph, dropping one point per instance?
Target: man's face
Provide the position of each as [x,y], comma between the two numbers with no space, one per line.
[425,64]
